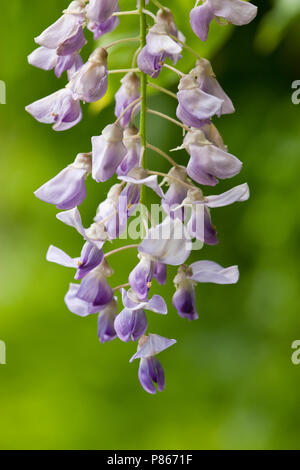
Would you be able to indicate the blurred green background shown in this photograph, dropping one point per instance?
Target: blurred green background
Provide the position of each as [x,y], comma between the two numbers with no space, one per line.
[230,380]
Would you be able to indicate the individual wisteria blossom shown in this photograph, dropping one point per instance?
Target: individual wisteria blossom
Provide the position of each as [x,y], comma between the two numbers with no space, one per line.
[66,35]
[200,225]
[47,59]
[176,193]
[208,162]
[184,299]
[167,233]
[108,152]
[100,16]
[131,323]
[67,189]
[127,94]
[59,109]
[89,83]
[237,12]
[161,44]
[91,257]
[132,142]
[150,369]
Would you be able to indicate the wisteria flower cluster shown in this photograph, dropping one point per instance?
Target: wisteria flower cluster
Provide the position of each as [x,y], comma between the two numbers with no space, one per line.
[120,152]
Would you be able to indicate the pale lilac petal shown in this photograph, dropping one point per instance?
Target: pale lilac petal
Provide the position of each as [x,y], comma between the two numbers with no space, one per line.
[59,109]
[154,345]
[200,225]
[131,324]
[149,63]
[159,44]
[208,162]
[108,152]
[238,194]
[211,86]
[66,26]
[89,84]
[43,58]
[76,305]
[190,120]
[73,43]
[235,11]
[73,219]
[168,243]
[157,304]
[99,29]
[199,104]
[55,255]
[101,10]
[200,18]
[77,64]
[95,289]
[66,190]
[106,319]
[208,271]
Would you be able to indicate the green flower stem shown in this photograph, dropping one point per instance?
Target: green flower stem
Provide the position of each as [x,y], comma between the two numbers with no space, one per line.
[144,80]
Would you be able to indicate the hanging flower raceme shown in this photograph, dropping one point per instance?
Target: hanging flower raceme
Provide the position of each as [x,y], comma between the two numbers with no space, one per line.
[120,151]
[237,12]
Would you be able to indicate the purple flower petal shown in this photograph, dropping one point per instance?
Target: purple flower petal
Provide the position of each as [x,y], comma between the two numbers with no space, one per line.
[43,58]
[131,324]
[106,319]
[66,190]
[238,194]
[168,243]
[208,271]
[160,273]
[89,84]
[150,370]
[200,18]
[208,162]
[141,277]
[55,255]
[184,301]
[108,152]
[153,344]
[101,10]
[59,109]
[78,306]
[90,258]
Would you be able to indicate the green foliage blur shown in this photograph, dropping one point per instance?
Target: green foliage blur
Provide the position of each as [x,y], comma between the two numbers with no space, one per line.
[230,380]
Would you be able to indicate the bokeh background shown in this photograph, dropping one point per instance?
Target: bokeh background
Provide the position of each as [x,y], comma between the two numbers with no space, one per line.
[230,380]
